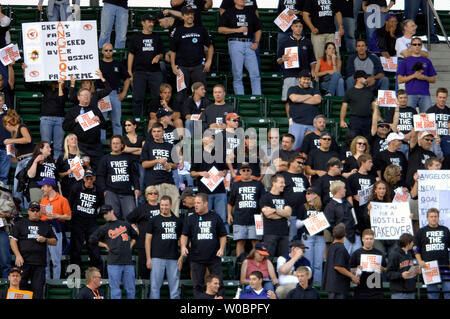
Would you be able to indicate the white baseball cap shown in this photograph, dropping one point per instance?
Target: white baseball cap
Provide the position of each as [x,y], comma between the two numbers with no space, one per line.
[394,136]
[425,133]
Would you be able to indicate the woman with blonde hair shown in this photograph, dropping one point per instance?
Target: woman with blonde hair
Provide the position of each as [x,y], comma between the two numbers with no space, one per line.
[393,176]
[358,147]
[258,259]
[23,145]
[63,163]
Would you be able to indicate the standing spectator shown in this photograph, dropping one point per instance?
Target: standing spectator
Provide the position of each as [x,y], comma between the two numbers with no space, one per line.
[5,159]
[54,97]
[217,198]
[96,95]
[442,115]
[420,148]
[39,167]
[63,163]
[187,46]
[8,214]
[316,163]
[303,289]
[412,8]
[303,107]
[392,155]
[311,140]
[195,104]
[29,239]
[432,243]
[197,6]
[214,115]
[114,72]
[340,210]
[403,44]
[228,4]
[256,290]
[89,141]
[294,8]
[305,56]
[349,22]
[312,207]
[383,39]
[114,12]
[401,271]
[417,72]
[243,29]
[286,266]
[258,260]
[146,50]
[363,290]
[286,152]
[161,249]
[56,210]
[360,98]
[319,17]
[337,275]
[328,71]
[157,160]
[57,10]
[378,133]
[118,238]
[243,204]
[276,212]
[118,179]
[85,198]
[362,60]
[93,282]
[375,12]
[207,235]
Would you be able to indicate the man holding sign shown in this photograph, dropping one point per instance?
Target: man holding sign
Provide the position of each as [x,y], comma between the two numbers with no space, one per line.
[442,116]
[432,243]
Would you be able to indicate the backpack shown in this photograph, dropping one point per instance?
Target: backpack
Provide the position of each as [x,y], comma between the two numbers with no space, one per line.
[24,183]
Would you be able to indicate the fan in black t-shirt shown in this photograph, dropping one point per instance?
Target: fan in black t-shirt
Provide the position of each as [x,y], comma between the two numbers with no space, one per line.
[392,155]
[316,163]
[93,283]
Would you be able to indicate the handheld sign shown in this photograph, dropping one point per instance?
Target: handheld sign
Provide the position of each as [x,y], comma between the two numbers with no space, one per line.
[19,294]
[293,61]
[389,64]
[105,104]
[9,54]
[284,20]
[424,122]
[390,220]
[86,121]
[316,223]
[10,150]
[387,98]
[431,273]
[214,179]
[181,85]
[259,225]
[364,195]
[370,263]
[77,168]
[400,196]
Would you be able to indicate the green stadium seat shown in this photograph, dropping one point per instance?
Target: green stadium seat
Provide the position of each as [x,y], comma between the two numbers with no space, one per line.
[271,82]
[231,287]
[250,105]
[58,289]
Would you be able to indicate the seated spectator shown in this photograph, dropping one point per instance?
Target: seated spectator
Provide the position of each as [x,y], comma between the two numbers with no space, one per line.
[378,9]
[316,163]
[286,266]
[194,105]
[14,278]
[212,288]
[165,101]
[214,115]
[256,290]
[370,64]
[311,140]
[403,44]
[303,289]
[93,283]
[383,39]
[258,260]
[328,71]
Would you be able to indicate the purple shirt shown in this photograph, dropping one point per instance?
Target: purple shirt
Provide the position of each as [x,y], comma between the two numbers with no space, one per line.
[415,86]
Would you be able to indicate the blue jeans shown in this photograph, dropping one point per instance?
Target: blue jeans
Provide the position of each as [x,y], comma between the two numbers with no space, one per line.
[423,102]
[117,15]
[5,164]
[402,295]
[116,114]
[315,254]
[373,21]
[52,131]
[356,8]
[352,247]
[405,149]
[121,274]
[20,165]
[412,8]
[349,32]
[54,254]
[159,266]
[5,255]
[299,130]
[335,85]
[381,84]
[433,291]
[445,145]
[56,14]
[242,55]
[219,202]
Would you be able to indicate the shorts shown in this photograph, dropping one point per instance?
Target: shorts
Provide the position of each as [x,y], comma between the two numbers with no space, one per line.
[287,84]
[241,232]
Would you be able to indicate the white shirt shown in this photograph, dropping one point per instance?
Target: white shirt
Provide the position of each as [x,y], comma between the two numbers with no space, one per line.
[285,279]
[404,44]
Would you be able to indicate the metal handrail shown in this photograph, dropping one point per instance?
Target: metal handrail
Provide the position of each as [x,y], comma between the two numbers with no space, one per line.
[433,10]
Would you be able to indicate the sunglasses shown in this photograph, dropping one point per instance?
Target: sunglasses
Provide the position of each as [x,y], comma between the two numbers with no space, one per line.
[429,139]
[35,210]
[326,139]
[416,44]
[235,120]
[383,126]
[361,143]
[300,162]
[153,193]
[245,169]
[108,50]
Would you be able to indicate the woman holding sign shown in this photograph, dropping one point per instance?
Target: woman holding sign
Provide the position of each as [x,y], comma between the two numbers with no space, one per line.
[63,164]
[328,70]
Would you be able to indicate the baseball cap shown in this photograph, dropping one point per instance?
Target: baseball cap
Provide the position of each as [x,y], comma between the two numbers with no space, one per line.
[187,9]
[360,74]
[380,123]
[188,192]
[394,136]
[232,116]
[296,21]
[304,74]
[244,165]
[389,16]
[298,243]
[105,209]
[262,249]
[47,181]
[162,112]
[147,16]
[313,190]
[34,205]
[15,269]
[425,133]
[89,173]
[325,134]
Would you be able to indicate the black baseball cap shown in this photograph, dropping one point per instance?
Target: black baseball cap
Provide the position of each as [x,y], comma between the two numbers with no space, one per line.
[89,173]
[244,165]
[262,249]
[105,209]
[325,134]
[187,9]
[34,205]
[298,243]
[360,74]
[15,269]
[305,74]
[147,17]
[162,112]
[313,190]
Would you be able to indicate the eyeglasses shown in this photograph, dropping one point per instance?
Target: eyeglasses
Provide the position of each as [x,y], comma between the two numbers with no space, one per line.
[235,120]
[361,143]
[326,139]
[416,44]
[35,210]
[383,126]
[300,162]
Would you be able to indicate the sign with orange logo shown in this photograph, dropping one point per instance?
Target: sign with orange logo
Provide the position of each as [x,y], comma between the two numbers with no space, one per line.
[387,98]
[293,62]
[431,273]
[19,294]
[284,20]
[9,54]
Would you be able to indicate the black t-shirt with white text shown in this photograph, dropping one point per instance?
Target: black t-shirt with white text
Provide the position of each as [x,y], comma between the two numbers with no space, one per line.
[188,44]
[44,170]
[84,202]
[113,72]
[362,290]
[385,158]
[432,244]
[304,213]
[323,183]
[165,234]
[416,161]
[312,141]
[280,226]
[145,47]
[116,173]
[205,167]
[157,174]
[295,189]
[245,196]
[322,14]
[234,18]
[442,117]
[317,160]
[405,118]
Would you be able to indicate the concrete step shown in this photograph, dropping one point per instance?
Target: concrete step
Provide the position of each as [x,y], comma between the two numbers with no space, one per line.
[439,48]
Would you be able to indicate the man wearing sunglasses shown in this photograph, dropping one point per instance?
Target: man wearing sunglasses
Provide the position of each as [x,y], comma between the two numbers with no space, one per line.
[420,151]
[29,240]
[316,163]
[442,113]
[312,140]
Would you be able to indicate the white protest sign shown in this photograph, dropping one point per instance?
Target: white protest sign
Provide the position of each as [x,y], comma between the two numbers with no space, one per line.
[389,64]
[370,263]
[284,20]
[387,98]
[104,104]
[77,168]
[390,220]
[259,225]
[431,273]
[195,117]
[213,180]
[181,85]
[54,50]
[434,192]
[364,195]
[293,62]
[424,122]
[9,54]
[316,223]
[86,121]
